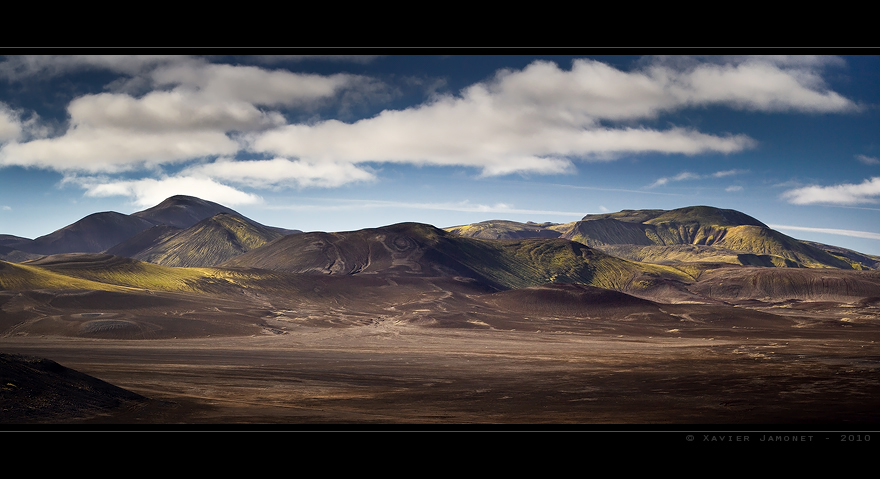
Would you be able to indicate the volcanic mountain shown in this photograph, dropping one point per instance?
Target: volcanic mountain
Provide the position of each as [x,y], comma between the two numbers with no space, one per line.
[413,249]
[127,235]
[92,234]
[182,211]
[697,233]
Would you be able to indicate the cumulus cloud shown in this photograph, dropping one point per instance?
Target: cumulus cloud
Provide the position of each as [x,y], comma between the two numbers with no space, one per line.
[868,160]
[256,85]
[535,120]
[149,191]
[10,124]
[171,111]
[756,85]
[113,132]
[279,172]
[867,191]
[482,131]
[114,149]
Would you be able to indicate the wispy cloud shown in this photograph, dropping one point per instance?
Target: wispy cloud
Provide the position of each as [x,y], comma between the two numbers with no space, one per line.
[854,233]
[464,206]
[867,191]
[686,175]
[733,188]
[868,160]
[6,208]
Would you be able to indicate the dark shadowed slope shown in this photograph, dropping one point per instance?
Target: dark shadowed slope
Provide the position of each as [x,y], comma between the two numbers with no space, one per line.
[14,255]
[37,390]
[183,211]
[569,300]
[92,234]
[773,285]
[13,241]
[143,240]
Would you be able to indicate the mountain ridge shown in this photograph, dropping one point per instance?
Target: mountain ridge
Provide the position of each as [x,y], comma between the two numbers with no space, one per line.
[641,234]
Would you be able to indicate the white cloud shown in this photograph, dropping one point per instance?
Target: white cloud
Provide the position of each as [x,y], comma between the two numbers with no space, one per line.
[6,208]
[10,124]
[279,172]
[722,174]
[230,83]
[169,111]
[854,233]
[686,175]
[867,191]
[113,149]
[731,189]
[756,84]
[868,160]
[477,131]
[536,119]
[111,132]
[149,191]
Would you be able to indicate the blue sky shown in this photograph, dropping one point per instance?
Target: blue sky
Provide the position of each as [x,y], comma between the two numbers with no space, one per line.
[337,143]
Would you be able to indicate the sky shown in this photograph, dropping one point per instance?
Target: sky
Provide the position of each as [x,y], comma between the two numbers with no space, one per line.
[335,142]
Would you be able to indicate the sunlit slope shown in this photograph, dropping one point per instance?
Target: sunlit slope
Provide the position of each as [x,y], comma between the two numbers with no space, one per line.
[118,271]
[412,249]
[207,243]
[115,273]
[729,230]
[856,259]
[501,229]
[23,277]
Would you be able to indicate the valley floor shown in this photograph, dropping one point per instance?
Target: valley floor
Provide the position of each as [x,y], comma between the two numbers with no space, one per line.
[826,372]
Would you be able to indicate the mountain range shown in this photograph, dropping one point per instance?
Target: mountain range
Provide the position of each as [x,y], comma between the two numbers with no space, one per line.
[677,255]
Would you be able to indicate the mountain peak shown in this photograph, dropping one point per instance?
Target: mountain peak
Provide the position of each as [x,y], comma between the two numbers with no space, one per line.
[183,211]
[708,215]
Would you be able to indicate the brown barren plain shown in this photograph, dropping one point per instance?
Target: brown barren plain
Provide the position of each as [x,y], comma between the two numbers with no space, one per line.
[358,350]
